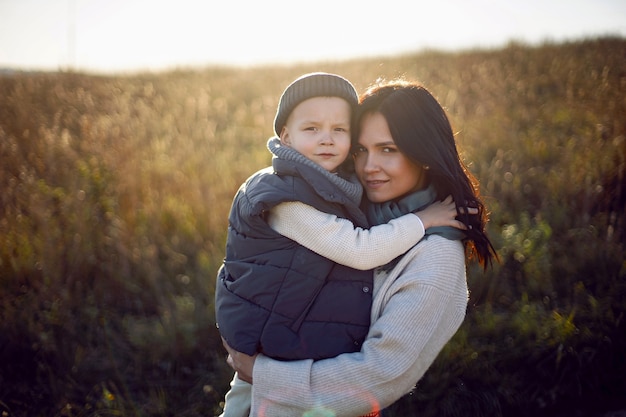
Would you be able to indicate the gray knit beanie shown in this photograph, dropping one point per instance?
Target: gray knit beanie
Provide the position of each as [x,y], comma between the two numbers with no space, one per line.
[316,84]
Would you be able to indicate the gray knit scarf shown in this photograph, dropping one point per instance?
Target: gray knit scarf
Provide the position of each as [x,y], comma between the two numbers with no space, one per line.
[351,187]
[380,213]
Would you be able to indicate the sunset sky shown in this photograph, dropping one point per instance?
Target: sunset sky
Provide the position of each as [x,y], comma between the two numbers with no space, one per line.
[135,35]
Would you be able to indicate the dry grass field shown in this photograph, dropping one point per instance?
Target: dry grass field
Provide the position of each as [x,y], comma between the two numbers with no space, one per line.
[115,191]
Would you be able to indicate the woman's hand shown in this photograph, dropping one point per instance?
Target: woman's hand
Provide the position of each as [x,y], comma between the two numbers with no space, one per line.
[243,364]
[444,213]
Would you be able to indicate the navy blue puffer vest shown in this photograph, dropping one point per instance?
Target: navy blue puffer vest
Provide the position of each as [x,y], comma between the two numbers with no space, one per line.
[277,297]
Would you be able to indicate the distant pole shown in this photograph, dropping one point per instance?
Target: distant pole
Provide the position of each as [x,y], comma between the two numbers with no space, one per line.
[71,35]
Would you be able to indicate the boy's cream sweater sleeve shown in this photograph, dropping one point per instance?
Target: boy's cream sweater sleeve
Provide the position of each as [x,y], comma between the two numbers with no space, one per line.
[340,241]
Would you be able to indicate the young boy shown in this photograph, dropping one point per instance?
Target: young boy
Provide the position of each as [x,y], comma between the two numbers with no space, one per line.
[274,295]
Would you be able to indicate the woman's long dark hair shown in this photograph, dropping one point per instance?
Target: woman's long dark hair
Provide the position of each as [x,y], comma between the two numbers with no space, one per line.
[421,130]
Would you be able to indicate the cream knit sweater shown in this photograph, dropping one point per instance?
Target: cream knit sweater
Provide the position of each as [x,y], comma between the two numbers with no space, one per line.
[417,308]
[407,332]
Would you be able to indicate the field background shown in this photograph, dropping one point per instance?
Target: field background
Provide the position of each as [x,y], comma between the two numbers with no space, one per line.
[114,194]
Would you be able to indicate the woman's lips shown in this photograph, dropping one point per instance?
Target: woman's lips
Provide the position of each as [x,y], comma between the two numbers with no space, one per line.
[374,184]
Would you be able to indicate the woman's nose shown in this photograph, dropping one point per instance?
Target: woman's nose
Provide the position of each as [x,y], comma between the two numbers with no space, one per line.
[370,164]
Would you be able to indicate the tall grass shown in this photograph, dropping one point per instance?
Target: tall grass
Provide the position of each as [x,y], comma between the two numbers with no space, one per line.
[114,200]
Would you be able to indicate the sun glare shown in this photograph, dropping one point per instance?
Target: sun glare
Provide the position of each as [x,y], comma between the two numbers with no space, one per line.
[120,35]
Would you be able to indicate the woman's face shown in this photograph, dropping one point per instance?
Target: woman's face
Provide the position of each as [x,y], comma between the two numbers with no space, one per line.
[384,171]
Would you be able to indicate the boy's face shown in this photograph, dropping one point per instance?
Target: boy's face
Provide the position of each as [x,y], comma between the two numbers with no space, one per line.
[319,128]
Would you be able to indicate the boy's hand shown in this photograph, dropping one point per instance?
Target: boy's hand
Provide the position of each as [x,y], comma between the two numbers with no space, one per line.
[443,213]
[243,364]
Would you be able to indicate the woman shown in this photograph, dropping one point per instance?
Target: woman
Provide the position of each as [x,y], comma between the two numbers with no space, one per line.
[405,157]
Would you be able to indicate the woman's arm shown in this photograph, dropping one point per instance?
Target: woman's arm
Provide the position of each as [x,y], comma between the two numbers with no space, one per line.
[426,305]
[338,240]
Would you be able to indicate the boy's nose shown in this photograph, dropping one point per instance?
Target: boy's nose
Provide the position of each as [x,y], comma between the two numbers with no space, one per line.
[327,138]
